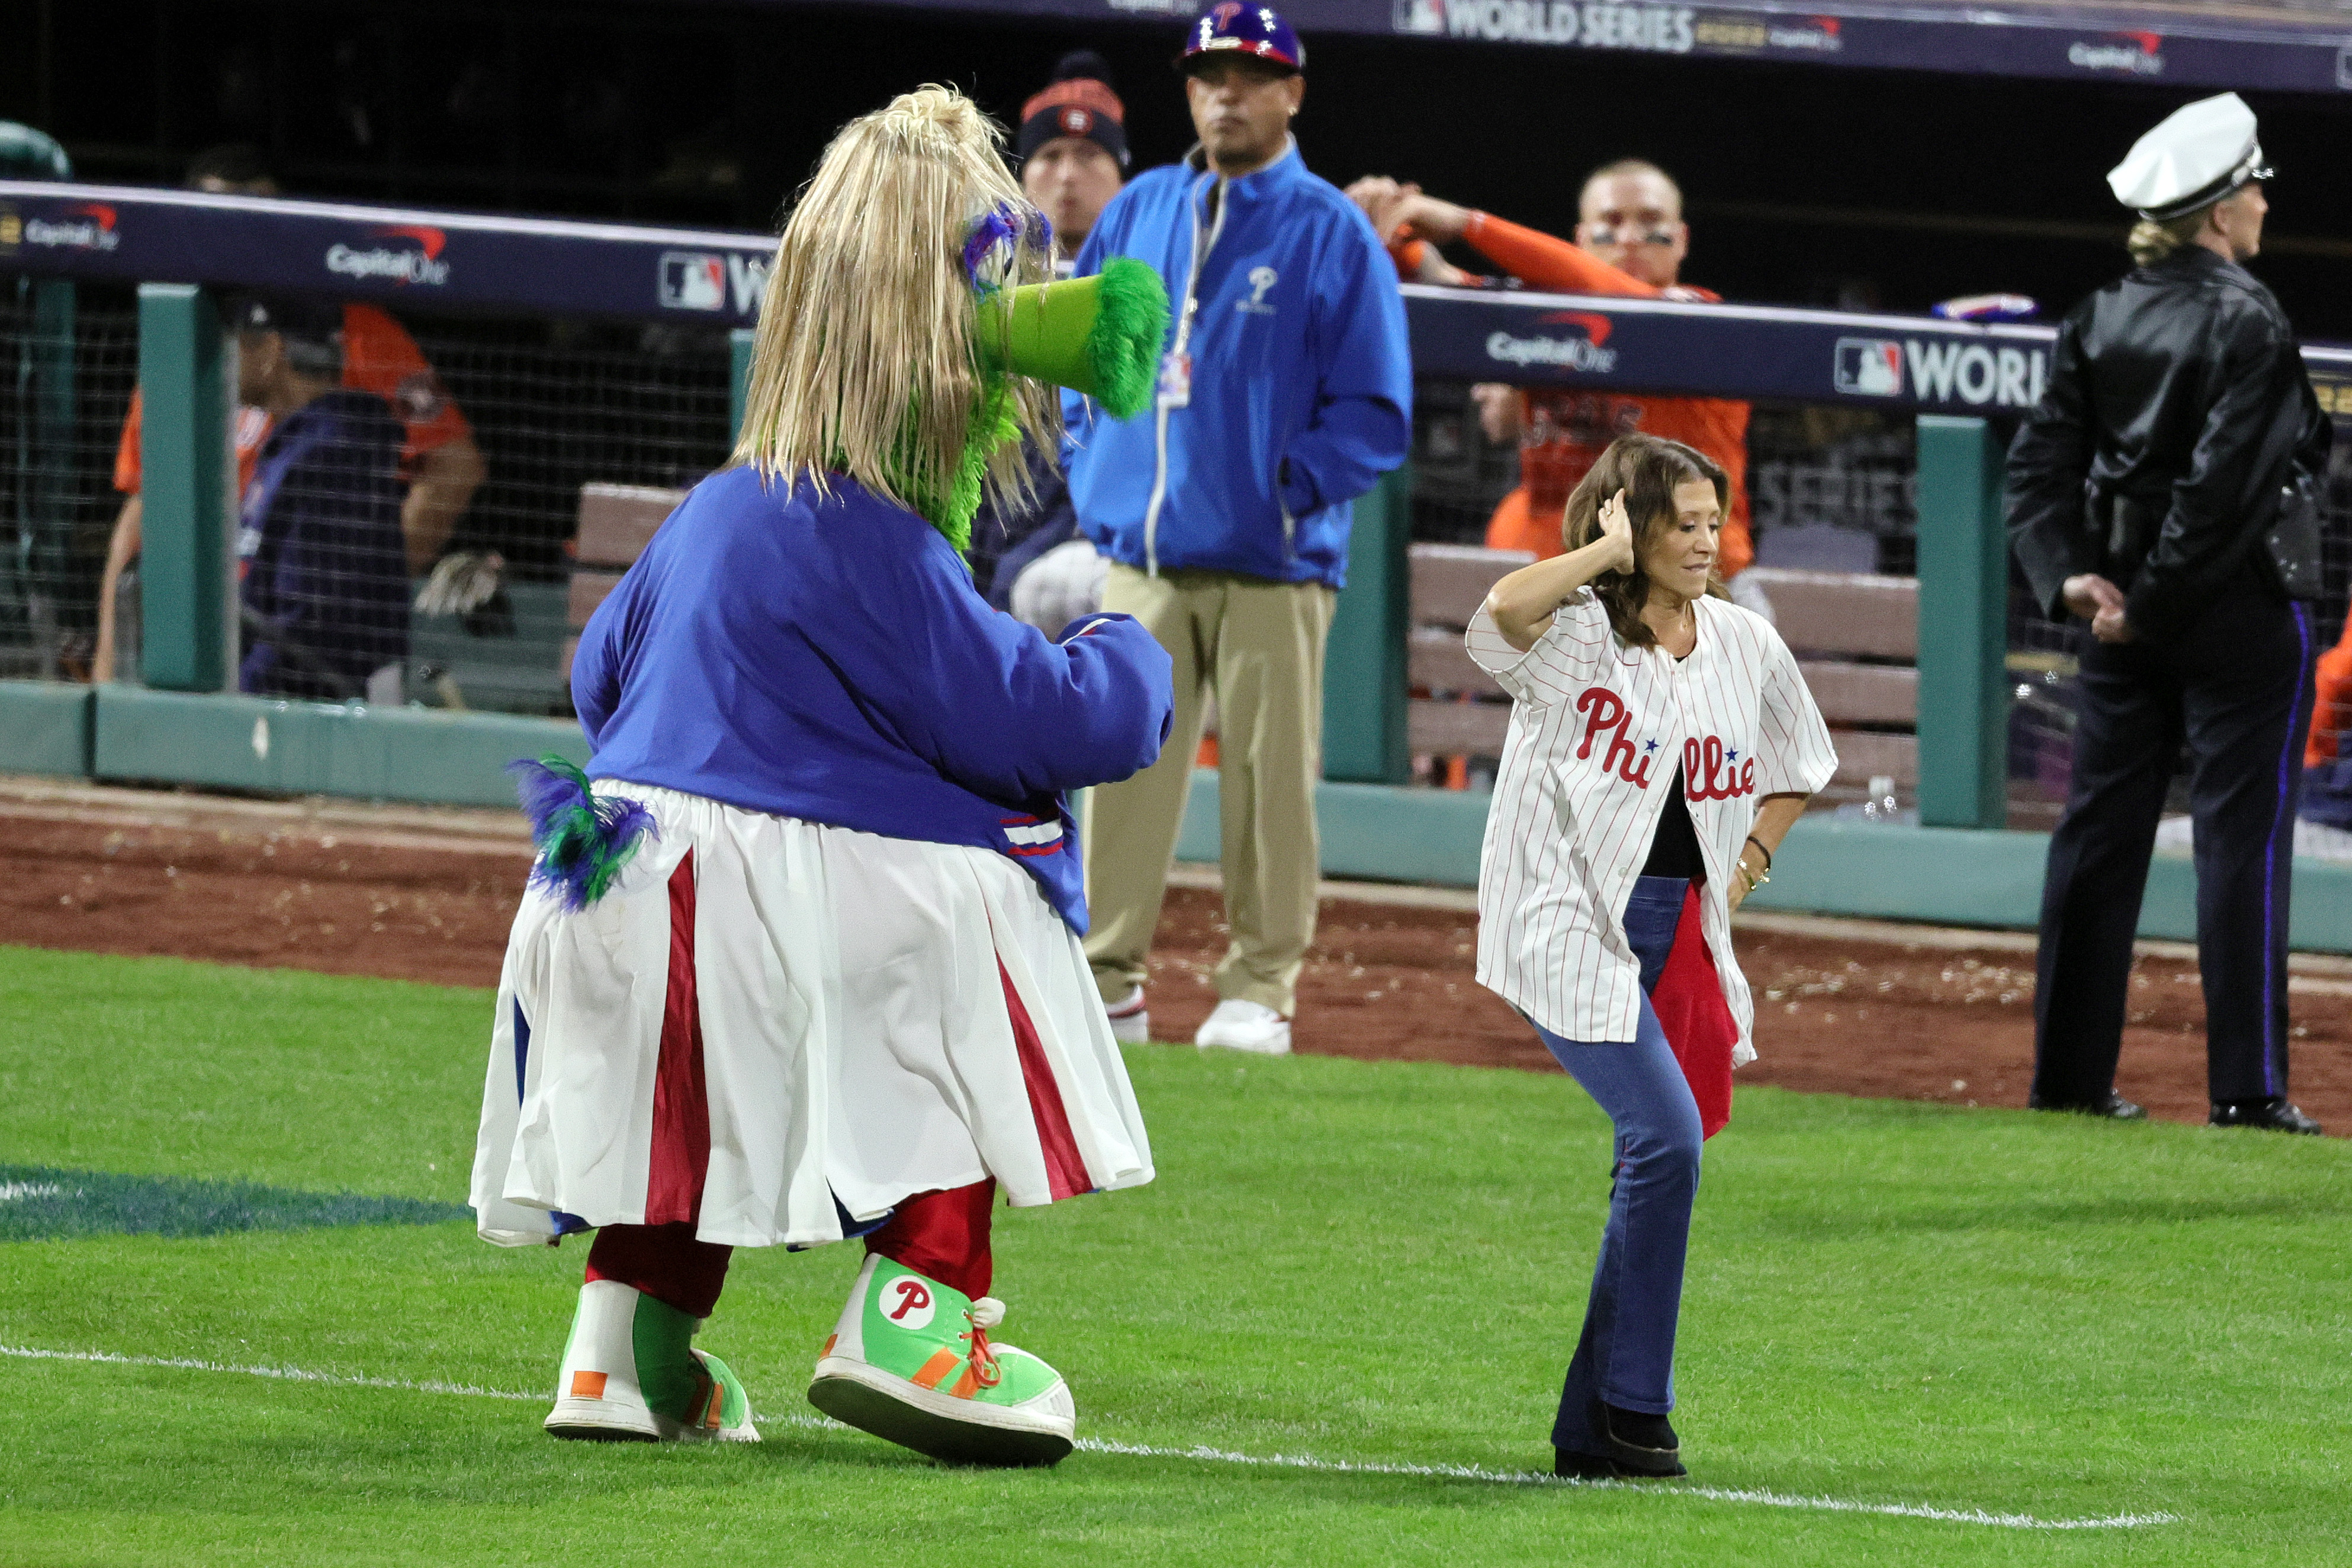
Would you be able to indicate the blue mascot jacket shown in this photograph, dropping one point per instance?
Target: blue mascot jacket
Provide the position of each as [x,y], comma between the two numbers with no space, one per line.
[827,658]
[1300,384]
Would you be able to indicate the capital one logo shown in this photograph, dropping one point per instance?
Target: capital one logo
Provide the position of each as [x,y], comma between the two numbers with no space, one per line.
[86,225]
[1260,280]
[417,258]
[1823,35]
[1578,348]
[2133,53]
[907,1301]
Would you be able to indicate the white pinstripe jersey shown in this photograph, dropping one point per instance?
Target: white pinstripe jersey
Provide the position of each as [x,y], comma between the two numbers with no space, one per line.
[1597,731]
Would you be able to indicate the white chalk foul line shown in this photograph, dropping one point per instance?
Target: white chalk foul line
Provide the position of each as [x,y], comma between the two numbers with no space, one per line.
[289,1374]
[1204,1454]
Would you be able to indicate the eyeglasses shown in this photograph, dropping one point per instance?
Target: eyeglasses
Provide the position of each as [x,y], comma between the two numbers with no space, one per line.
[1611,234]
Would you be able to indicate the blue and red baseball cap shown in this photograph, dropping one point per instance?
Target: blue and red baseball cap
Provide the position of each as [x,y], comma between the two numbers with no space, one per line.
[1232,27]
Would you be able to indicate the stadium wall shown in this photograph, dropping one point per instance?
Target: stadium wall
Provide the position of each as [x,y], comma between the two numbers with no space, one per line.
[1372,832]
[1941,876]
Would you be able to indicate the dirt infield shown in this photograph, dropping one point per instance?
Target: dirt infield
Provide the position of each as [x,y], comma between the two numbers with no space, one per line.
[415,894]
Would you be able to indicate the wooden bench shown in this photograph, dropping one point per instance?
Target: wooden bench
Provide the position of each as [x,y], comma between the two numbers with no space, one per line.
[1464,713]
[1856,638]
[616,523]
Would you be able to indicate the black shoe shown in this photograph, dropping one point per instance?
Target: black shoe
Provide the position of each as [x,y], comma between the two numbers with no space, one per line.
[2112,1106]
[1636,1445]
[2273,1115]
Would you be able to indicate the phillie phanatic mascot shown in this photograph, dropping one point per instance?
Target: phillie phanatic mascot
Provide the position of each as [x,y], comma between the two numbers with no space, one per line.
[800,957]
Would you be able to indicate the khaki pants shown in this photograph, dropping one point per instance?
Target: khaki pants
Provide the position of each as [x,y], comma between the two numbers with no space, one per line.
[1259,647]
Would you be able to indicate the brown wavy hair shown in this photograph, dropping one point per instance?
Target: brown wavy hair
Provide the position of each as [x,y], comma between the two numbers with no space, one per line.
[1647,468]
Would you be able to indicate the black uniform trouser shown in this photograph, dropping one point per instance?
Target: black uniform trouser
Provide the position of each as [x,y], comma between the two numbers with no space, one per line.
[2236,688]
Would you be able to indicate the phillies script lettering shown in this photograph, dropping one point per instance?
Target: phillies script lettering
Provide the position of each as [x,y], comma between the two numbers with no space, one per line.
[912,1298]
[1710,769]
[1606,711]
[1710,772]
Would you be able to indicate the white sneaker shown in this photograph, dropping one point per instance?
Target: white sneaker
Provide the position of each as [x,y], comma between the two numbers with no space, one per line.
[1246,1027]
[1131,1020]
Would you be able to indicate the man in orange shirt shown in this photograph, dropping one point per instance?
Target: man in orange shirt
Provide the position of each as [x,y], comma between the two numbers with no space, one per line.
[1629,240]
[439,461]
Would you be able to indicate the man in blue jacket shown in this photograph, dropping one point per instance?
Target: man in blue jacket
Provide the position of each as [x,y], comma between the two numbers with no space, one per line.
[322,573]
[1285,393]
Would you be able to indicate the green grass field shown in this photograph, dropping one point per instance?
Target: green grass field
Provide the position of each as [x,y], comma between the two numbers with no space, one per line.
[1890,1306]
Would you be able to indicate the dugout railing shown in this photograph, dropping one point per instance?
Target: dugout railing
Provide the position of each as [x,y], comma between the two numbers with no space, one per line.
[1934,398]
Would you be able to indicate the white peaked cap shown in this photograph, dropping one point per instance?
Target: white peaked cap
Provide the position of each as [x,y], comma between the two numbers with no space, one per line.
[2200,154]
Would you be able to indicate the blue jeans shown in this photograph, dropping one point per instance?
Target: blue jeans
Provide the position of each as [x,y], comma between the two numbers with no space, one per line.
[1625,1356]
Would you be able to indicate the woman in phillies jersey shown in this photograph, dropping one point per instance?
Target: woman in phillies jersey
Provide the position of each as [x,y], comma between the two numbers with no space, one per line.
[1660,743]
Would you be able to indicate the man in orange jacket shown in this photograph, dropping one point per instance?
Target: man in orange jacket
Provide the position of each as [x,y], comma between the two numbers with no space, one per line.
[1629,240]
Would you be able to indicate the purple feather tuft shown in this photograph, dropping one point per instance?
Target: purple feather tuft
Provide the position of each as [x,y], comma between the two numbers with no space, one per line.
[997,226]
[583,841]
[547,794]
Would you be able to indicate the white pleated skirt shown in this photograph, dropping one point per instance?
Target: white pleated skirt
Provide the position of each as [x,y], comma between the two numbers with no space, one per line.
[877,1017]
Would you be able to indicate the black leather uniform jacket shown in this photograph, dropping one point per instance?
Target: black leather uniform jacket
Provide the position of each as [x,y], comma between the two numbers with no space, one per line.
[2177,420]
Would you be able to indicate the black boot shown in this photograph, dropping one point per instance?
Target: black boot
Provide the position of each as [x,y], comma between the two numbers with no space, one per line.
[2111,1105]
[1639,1444]
[2272,1115]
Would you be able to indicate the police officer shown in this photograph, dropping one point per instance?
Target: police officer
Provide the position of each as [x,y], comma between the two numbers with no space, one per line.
[2163,493]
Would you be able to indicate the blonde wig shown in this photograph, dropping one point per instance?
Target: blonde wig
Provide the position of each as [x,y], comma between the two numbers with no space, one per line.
[867,358]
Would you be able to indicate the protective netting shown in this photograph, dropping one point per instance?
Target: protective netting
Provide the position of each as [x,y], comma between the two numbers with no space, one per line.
[444,463]
[556,406]
[69,360]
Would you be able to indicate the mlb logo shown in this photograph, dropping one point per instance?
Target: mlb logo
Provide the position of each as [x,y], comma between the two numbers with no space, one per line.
[1869,367]
[693,280]
[1418,17]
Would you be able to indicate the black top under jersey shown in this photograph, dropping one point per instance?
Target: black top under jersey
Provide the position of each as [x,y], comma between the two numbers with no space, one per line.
[1674,849]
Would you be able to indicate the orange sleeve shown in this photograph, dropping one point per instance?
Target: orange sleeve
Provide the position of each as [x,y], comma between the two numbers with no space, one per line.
[1542,261]
[1514,527]
[126,451]
[1729,448]
[379,356]
[2333,697]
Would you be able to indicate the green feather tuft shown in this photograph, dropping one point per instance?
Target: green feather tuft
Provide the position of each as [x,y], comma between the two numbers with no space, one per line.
[951,509]
[992,425]
[1123,344]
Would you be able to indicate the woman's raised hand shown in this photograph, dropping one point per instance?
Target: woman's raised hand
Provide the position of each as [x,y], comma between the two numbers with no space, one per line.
[1617,529]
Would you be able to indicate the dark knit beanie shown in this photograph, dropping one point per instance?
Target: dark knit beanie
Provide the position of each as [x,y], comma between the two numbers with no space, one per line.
[1079,103]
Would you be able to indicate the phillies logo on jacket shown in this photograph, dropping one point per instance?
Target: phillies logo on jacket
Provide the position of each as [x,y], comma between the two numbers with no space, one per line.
[1606,711]
[1711,771]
